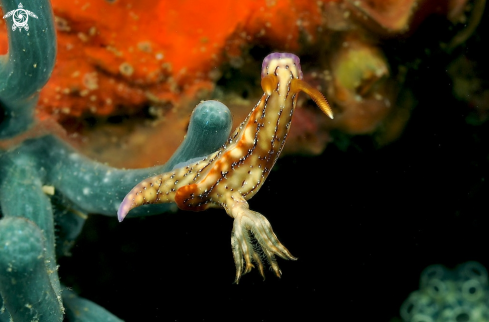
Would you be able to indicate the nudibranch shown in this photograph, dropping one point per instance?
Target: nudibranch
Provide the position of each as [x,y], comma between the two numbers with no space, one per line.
[230,176]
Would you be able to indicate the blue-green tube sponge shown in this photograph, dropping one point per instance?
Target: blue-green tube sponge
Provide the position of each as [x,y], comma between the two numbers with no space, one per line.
[79,309]
[27,66]
[24,277]
[82,186]
[97,188]
[45,183]
[459,295]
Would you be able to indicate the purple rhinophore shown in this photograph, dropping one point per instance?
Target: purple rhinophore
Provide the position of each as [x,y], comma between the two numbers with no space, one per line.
[273,56]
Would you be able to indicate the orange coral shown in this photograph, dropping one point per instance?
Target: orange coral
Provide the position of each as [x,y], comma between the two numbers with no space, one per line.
[117,56]
[127,54]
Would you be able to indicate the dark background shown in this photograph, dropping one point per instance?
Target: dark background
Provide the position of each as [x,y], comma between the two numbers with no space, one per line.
[364,221]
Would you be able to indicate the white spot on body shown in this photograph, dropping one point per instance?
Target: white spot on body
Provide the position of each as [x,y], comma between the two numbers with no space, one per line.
[249,134]
[74,156]
[236,153]
[225,165]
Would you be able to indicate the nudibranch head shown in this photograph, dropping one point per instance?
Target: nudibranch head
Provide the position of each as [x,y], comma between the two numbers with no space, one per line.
[281,60]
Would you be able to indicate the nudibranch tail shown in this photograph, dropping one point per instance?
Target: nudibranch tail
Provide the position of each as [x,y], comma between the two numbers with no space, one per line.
[124,208]
[317,97]
[146,192]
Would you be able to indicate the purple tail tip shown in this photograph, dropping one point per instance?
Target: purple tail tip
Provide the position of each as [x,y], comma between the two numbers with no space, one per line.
[122,211]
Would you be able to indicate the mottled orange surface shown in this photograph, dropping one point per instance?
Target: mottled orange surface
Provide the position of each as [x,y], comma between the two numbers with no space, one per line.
[120,55]
[117,56]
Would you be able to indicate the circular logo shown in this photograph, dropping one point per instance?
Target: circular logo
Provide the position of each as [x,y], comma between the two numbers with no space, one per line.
[20,18]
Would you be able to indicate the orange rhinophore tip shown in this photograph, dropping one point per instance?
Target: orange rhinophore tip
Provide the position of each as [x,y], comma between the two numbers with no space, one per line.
[269,83]
[317,97]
